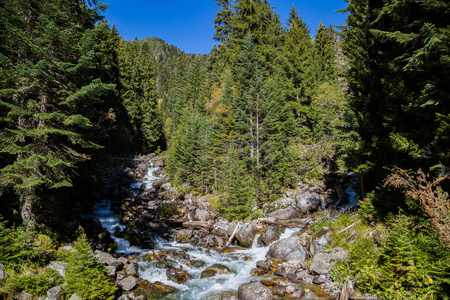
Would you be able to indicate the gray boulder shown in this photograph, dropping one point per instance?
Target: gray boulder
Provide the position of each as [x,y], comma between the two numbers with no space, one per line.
[254,291]
[289,249]
[55,293]
[58,266]
[183,235]
[270,234]
[246,234]
[132,269]
[128,283]
[75,297]
[324,260]
[308,201]
[223,228]
[105,258]
[283,208]
[3,274]
[160,181]
[320,239]
[202,215]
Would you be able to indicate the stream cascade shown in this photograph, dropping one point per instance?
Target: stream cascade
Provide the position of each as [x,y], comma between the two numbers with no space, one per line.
[192,261]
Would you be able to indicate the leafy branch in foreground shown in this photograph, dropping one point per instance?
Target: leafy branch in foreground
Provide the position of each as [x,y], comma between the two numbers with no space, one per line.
[433,200]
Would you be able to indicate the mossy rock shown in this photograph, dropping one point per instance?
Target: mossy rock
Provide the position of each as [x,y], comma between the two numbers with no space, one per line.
[214,270]
[153,291]
[177,275]
[198,264]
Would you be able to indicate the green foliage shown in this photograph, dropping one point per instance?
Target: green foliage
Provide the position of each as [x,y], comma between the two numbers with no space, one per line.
[85,276]
[38,284]
[168,209]
[22,247]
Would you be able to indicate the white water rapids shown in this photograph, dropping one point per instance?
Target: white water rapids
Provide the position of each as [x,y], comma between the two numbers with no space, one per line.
[241,262]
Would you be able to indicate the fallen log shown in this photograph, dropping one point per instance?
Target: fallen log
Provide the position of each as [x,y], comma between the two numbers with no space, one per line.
[349,227]
[231,238]
[299,224]
[197,224]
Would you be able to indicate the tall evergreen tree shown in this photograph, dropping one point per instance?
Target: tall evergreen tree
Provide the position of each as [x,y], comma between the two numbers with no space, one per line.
[398,53]
[49,48]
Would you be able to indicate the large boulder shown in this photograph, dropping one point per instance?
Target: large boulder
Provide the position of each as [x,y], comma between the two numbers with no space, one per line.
[308,201]
[324,260]
[246,234]
[202,215]
[107,259]
[164,178]
[223,228]
[270,234]
[289,249]
[320,239]
[254,291]
[184,235]
[128,283]
[283,208]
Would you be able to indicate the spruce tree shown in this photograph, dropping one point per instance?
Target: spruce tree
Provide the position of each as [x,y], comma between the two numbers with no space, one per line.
[48,50]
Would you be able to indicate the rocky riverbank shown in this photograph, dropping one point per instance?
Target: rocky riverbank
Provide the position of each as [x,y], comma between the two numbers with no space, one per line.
[296,267]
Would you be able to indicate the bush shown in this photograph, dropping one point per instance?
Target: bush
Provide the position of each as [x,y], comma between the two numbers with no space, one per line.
[85,276]
[38,284]
[20,246]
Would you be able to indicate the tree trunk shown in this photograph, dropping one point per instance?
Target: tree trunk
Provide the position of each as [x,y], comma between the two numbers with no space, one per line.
[26,212]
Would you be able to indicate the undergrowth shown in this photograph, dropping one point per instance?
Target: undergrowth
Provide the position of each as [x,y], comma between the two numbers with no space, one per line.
[26,253]
[395,259]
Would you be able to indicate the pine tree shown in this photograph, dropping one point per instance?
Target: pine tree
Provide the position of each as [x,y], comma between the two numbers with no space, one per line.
[298,64]
[325,45]
[49,48]
[397,53]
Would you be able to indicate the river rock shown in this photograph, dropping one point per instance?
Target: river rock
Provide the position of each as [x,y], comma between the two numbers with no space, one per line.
[183,235]
[289,249]
[55,293]
[320,239]
[202,215]
[160,181]
[270,234]
[153,290]
[279,290]
[58,266]
[3,274]
[283,208]
[128,283]
[319,279]
[214,270]
[132,269]
[324,260]
[177,275]
[211,240]
[308,201]
[246,234]
[223,228]
[106,258]
[227,295]
[254,291]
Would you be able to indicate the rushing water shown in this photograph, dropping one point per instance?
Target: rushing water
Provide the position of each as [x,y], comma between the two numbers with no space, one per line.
[241,262]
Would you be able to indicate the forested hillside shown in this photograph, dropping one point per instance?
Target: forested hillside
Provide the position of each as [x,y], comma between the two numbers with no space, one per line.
[273,104]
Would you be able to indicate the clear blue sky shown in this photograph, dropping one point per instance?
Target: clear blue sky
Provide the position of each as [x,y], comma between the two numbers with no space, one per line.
[188,24]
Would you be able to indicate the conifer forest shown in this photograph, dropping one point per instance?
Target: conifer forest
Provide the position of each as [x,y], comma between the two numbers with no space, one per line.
[276,110]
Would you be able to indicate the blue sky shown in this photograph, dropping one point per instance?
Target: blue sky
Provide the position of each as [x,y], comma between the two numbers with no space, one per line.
[188,24]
